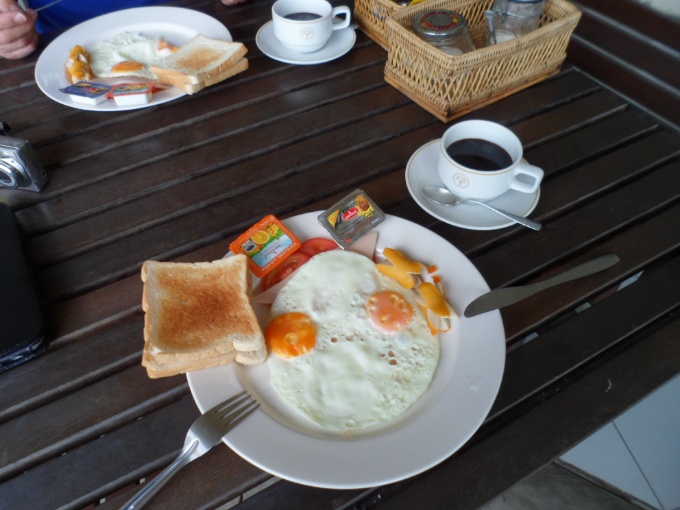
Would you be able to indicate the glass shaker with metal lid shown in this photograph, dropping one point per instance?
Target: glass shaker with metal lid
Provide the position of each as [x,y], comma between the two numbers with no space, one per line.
[518,17]
[446,30]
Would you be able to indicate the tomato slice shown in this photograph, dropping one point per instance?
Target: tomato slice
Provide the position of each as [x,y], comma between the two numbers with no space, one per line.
[317,245]
[284,269]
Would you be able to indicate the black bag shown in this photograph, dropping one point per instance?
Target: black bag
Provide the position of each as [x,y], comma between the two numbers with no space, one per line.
[22,329]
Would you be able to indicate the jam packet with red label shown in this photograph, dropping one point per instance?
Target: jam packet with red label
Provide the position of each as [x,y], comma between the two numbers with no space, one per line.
[125,94]
[351,218]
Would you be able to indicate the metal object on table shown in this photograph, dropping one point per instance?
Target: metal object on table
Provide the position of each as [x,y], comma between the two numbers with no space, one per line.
[204,433]
[499,298]
[28,9]
[443,196]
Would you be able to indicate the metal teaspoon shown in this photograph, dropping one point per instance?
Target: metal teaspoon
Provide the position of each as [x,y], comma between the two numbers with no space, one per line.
[443,196]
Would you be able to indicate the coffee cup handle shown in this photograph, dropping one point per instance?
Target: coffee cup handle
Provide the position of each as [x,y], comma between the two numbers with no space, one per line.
[524,168]
[343,23]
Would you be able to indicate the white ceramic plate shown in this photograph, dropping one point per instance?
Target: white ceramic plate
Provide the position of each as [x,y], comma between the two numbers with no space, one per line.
[341,42]
[175,24]
[421,170]
[439,423]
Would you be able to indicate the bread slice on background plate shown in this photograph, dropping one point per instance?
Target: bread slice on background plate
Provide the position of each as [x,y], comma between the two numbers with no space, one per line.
[199,315]
[199,60]
[179,81]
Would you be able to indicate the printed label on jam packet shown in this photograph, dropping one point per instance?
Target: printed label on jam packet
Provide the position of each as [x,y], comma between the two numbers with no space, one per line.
[266,244]
[87,92]
[351,218]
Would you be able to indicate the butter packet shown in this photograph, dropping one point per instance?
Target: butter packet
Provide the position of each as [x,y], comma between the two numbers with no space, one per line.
[87,92]
[352,217]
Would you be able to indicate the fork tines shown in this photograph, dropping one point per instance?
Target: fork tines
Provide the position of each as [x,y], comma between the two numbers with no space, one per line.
[235,409]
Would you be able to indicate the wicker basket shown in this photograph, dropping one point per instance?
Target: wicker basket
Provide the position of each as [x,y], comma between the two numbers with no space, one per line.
[451,86]
[371,15]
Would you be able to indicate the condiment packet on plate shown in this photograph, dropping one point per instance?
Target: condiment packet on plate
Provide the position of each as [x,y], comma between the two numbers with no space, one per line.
[266,244]
[87,92]
[125,94]
[351,218]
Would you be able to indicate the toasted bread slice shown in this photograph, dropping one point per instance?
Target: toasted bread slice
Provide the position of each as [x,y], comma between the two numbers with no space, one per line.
[156,369]
[199,315]
[254,357]
[200,59]
[192,88]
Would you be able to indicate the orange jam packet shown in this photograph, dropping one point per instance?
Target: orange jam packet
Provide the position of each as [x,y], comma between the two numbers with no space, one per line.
[266,244]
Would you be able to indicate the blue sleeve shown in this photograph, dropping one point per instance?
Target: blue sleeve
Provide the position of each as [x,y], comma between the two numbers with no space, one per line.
[68,13]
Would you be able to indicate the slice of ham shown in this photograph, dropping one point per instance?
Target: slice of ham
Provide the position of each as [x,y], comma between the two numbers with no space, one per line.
[365,245]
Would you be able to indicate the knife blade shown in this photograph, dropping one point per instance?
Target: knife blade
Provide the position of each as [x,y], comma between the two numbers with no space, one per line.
[498,298]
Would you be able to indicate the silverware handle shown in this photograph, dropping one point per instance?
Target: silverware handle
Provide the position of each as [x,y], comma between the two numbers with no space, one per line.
[587,268]
[519,219]
[148,492]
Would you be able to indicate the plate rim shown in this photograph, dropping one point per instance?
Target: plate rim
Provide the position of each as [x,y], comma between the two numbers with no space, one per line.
[150,15]
[310,472]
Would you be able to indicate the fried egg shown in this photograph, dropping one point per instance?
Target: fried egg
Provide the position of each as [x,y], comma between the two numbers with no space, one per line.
[351,348]
[129,54]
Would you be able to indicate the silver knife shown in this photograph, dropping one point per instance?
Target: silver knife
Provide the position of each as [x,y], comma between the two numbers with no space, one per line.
[499,298]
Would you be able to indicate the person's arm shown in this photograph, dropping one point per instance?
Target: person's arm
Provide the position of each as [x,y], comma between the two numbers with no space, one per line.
[18,36]
[225,2]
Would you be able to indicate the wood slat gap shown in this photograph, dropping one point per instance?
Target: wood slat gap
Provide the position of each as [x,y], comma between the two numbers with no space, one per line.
[114,422]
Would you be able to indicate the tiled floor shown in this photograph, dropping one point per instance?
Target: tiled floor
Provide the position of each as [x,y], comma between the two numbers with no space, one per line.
[556,487]
[630,464]
[639,452]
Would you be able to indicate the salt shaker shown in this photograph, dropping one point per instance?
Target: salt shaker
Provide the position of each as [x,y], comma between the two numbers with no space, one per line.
[446,30]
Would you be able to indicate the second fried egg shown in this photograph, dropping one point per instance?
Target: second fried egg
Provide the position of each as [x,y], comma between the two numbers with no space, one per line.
[371,353]
[129,54]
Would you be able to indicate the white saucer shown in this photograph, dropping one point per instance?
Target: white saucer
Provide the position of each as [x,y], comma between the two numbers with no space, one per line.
[340,43]
[421,170]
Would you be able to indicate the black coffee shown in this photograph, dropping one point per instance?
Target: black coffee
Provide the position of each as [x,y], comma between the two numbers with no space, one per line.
[479,154]
[302,16]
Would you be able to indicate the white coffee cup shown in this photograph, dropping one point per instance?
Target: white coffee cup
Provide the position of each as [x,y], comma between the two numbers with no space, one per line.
[307,35]
[489,161]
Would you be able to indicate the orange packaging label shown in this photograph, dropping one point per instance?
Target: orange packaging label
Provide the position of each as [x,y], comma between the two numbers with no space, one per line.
[266,244]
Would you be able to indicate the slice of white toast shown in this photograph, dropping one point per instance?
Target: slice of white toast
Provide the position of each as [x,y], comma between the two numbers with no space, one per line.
[199,315]
[191,88]
[199,60]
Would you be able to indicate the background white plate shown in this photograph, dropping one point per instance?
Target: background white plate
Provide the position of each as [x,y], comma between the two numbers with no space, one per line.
[441,421]
[175,24]
[421,170]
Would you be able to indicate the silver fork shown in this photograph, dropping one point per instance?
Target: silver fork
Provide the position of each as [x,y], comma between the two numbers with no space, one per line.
[28,9]
[204,433]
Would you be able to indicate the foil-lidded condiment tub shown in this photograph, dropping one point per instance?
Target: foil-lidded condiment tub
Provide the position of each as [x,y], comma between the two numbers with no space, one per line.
[351,218]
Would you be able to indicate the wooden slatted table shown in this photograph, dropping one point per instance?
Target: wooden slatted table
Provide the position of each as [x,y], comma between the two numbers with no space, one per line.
[82,424]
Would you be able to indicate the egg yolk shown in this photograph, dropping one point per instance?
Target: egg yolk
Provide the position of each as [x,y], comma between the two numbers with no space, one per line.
[389,311]
[164,45]
[290,334]
[126,66]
